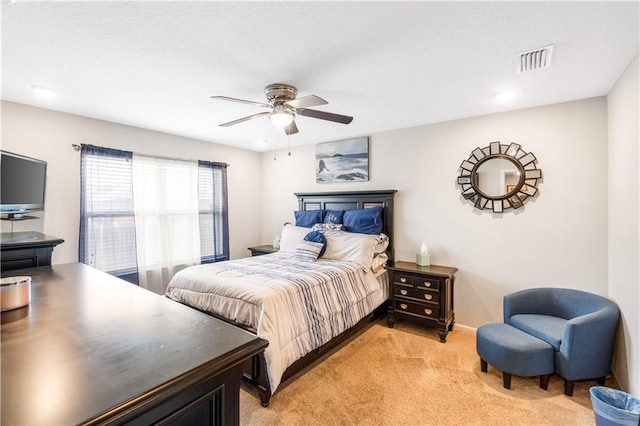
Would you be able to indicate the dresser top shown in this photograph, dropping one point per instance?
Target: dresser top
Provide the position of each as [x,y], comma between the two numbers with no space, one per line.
[90,344]
[442,271]
[27,238]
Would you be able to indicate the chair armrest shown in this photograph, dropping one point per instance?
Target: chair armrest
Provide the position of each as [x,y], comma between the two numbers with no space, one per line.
[587,345]
[582,332]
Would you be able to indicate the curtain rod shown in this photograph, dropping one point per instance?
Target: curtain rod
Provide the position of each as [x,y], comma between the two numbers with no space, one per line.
[77,147]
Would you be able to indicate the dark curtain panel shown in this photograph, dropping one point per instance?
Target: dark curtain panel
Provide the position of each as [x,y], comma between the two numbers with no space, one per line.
[214,211]
[107,220]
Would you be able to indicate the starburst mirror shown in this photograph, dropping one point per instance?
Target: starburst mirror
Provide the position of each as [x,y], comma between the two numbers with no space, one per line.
[499,177]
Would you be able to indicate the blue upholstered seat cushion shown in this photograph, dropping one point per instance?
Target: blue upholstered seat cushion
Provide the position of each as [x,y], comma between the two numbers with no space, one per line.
[513,351]
[544,327]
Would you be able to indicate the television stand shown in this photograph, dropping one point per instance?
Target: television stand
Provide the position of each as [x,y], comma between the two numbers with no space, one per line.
[26,249]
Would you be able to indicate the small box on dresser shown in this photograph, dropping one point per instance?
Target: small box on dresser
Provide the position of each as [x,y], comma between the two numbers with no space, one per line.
[423,294]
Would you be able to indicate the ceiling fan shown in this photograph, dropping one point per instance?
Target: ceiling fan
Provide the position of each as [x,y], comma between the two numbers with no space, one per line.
[284,107]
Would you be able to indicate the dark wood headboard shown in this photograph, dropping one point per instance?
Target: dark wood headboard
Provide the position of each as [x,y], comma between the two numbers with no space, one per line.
[353,201]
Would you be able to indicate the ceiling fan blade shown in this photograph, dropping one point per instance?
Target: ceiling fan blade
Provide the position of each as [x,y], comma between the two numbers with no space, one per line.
[291,129]
[306,101]
[243,119]
[242,101]
[322,115]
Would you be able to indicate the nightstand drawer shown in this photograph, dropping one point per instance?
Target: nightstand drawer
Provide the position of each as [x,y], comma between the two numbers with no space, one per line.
[419,309]
[429,283]
[403,279]
[416,281]
[422,295]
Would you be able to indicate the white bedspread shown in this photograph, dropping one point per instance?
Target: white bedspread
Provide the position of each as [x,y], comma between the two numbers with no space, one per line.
[297,306]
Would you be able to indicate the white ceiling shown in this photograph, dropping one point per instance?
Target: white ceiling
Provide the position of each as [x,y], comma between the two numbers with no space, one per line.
[388,64]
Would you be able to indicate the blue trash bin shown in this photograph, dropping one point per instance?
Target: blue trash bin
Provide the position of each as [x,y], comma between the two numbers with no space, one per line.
[614,407]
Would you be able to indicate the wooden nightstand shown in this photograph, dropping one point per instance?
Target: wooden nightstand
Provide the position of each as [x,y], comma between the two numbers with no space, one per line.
[260,250]
[423,294]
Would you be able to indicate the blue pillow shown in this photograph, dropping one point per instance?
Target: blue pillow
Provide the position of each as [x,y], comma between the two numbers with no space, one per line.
[308,218]
[363,221]
[333,216]
[317,237]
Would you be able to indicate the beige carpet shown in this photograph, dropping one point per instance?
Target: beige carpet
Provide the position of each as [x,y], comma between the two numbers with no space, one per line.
[405,376]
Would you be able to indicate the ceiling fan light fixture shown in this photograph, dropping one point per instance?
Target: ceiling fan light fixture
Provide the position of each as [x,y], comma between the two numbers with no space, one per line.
[281,117]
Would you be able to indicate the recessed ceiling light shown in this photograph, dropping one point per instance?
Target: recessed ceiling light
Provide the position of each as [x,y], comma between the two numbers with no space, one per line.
[262,142]
[45,92]
[506,96]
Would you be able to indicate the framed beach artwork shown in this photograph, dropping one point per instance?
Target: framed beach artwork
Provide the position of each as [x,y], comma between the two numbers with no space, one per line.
[343,161]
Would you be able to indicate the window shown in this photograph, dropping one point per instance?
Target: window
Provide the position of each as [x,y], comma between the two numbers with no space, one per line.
[142,218]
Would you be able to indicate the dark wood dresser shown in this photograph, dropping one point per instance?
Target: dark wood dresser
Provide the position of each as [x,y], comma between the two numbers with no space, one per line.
[26,249]
[93,349]
[423,294]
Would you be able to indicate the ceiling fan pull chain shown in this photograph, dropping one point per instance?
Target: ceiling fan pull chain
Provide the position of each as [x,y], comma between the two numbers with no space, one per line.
[275,141]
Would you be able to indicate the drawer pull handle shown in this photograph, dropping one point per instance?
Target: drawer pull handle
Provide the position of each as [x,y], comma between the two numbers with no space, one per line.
[428,296]
[403,292]
[403,280]
[427,284]
[404,306]
[428,311]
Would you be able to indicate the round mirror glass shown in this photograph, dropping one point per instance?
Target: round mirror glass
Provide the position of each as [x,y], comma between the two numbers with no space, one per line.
[497,177]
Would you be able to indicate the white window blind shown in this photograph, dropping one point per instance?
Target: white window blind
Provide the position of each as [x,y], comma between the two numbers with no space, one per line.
[108,242]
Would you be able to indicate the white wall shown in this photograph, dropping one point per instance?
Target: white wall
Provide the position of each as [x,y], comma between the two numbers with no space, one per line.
[48,135]
[624,243]
[559,239]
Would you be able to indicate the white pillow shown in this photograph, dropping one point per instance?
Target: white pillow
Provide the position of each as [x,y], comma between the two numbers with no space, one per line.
[291,236]
[383,243]
[379,262]
[351,247]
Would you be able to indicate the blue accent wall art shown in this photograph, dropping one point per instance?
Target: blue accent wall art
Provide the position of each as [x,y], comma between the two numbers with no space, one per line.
[343,161]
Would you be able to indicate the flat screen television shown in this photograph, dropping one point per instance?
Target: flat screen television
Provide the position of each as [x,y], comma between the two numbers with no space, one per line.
[22,184]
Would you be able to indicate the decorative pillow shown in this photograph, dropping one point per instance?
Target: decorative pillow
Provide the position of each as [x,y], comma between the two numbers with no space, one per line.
[291,236]
[327,227]
[317,237]
[333,216]
[383,243]
[309,251]
[350,247]
[308,218]
[379,261]
[363,221]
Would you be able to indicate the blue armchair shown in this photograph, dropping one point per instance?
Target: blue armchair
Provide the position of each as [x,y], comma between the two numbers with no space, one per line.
[580,326]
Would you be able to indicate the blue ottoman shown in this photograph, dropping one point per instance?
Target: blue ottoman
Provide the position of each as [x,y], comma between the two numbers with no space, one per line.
[513,351]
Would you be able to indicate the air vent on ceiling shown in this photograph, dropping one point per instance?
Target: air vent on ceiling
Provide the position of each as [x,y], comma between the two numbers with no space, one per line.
[534,59]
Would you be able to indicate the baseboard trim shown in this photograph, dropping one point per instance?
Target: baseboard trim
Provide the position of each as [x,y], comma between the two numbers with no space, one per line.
[465,328]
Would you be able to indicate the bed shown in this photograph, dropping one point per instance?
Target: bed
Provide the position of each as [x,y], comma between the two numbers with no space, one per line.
[303,306]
